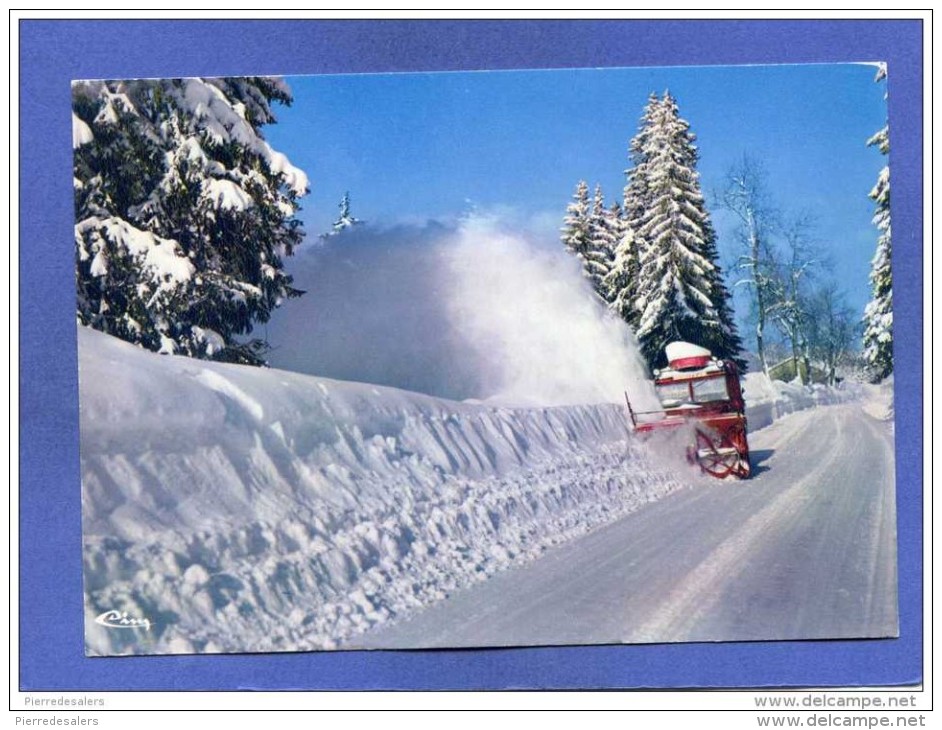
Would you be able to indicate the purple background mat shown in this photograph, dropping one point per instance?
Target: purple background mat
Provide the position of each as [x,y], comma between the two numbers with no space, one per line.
[51,615]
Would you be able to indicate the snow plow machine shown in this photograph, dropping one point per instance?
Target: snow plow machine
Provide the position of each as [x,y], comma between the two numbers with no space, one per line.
[702,394]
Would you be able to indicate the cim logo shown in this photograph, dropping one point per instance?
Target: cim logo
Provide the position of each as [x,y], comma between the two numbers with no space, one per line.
[121,620]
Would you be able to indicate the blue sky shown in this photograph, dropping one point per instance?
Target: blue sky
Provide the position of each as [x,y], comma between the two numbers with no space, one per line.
[412,147]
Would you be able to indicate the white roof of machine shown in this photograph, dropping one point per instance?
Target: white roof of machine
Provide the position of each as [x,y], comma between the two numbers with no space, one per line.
[681,350]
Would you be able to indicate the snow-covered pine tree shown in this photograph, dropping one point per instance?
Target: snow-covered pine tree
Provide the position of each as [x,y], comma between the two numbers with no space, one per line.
[680,291]
[878,315]
[575,230]
[577,225]
[637,196]
[346,219]
[183,212]
[619,288]
[599,250]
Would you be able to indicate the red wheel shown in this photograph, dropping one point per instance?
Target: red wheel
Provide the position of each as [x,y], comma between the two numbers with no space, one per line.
[716,458]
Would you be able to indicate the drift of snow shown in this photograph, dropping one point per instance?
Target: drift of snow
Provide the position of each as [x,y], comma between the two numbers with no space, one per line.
[246,509]
[879,402]
[769,400]
[806,549]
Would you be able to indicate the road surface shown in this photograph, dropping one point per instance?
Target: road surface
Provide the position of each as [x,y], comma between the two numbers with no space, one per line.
[806,549]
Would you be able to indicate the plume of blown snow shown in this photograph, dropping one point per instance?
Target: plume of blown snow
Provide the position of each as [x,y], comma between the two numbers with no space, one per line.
[539,334]
[373,312]
[481,309]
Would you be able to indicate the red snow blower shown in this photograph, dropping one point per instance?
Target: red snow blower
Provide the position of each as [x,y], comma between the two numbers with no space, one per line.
[702,392]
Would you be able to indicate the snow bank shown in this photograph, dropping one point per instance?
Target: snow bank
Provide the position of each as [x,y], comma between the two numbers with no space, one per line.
[244,509]
[768,400]
[878,402]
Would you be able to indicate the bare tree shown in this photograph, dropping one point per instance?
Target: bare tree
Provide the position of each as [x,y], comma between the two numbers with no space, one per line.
[833,329]
[789,299]
[746,196]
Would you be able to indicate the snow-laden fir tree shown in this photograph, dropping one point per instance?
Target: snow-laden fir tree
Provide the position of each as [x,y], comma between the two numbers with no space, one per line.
[576,224]
[622,284]
[619,288]
[636,195]
[590,234]
[681,295]
[599,251]
[346,219]
[183,212]
[878,316]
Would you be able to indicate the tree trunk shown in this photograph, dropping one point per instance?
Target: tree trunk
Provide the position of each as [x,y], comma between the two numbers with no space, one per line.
[806,360]
[754,250]
[795,360]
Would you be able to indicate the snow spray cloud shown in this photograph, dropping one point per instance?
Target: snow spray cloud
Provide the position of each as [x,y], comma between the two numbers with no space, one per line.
[471,310]
[539,334]
[374,312]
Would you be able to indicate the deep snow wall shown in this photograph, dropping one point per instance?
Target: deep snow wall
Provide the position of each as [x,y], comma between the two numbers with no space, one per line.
[245,509]
[769,400]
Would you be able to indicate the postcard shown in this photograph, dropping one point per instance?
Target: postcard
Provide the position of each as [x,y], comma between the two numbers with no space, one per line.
[490,359]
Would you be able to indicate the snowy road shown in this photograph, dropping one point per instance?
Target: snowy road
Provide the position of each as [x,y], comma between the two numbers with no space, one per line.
[806,549]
